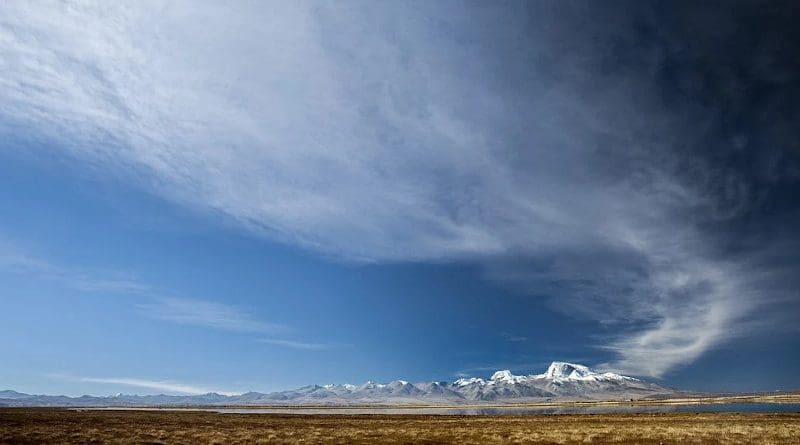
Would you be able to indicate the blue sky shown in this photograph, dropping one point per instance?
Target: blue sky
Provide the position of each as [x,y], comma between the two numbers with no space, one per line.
[196,197]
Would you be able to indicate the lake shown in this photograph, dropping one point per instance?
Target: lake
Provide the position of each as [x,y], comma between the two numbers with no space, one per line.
[511,410]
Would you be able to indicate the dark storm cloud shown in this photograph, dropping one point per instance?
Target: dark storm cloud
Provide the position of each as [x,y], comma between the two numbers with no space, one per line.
[634,163]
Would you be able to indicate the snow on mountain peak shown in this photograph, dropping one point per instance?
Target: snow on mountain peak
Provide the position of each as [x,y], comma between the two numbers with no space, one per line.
[557,371]
[560,371]
[504,375]
[564,370]
[469,381]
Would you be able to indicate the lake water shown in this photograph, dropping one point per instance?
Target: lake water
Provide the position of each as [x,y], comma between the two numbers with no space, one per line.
[607,409]
[726,407]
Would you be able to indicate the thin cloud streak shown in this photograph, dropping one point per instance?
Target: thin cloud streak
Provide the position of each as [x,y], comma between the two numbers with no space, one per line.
[180,310]
[206,314]
[158,385]
[294,344]
[17,260]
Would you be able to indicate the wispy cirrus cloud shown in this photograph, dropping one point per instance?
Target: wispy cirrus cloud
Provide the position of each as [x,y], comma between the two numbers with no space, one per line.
[154,302]
[18,260]
[295,344]
[167,386]
[513,338]
[356,132]
[190,311]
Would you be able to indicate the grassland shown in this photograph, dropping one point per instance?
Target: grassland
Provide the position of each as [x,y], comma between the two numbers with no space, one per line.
[47,425]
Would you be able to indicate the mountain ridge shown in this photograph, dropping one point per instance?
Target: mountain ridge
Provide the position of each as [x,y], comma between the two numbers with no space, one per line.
[561,382]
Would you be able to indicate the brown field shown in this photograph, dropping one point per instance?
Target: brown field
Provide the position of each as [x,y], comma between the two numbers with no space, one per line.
[43,425]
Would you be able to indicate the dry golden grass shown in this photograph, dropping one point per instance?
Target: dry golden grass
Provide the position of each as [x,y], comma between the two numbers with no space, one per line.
[170,427]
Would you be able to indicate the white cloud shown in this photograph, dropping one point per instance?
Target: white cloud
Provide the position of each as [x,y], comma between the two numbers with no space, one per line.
[208,314]
[698,306]
[374,136]
[153,303]
[17,260]
[158,385]
[294,344]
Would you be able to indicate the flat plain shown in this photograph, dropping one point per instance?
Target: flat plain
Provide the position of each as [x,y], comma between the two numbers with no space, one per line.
[53,425]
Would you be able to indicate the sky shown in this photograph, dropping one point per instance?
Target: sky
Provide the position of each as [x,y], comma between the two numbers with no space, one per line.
[199,196]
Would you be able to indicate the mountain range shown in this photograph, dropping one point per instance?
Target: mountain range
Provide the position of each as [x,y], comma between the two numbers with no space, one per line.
[561,382]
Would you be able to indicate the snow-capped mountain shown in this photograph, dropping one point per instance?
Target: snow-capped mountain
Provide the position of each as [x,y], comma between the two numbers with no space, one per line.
[561,381]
